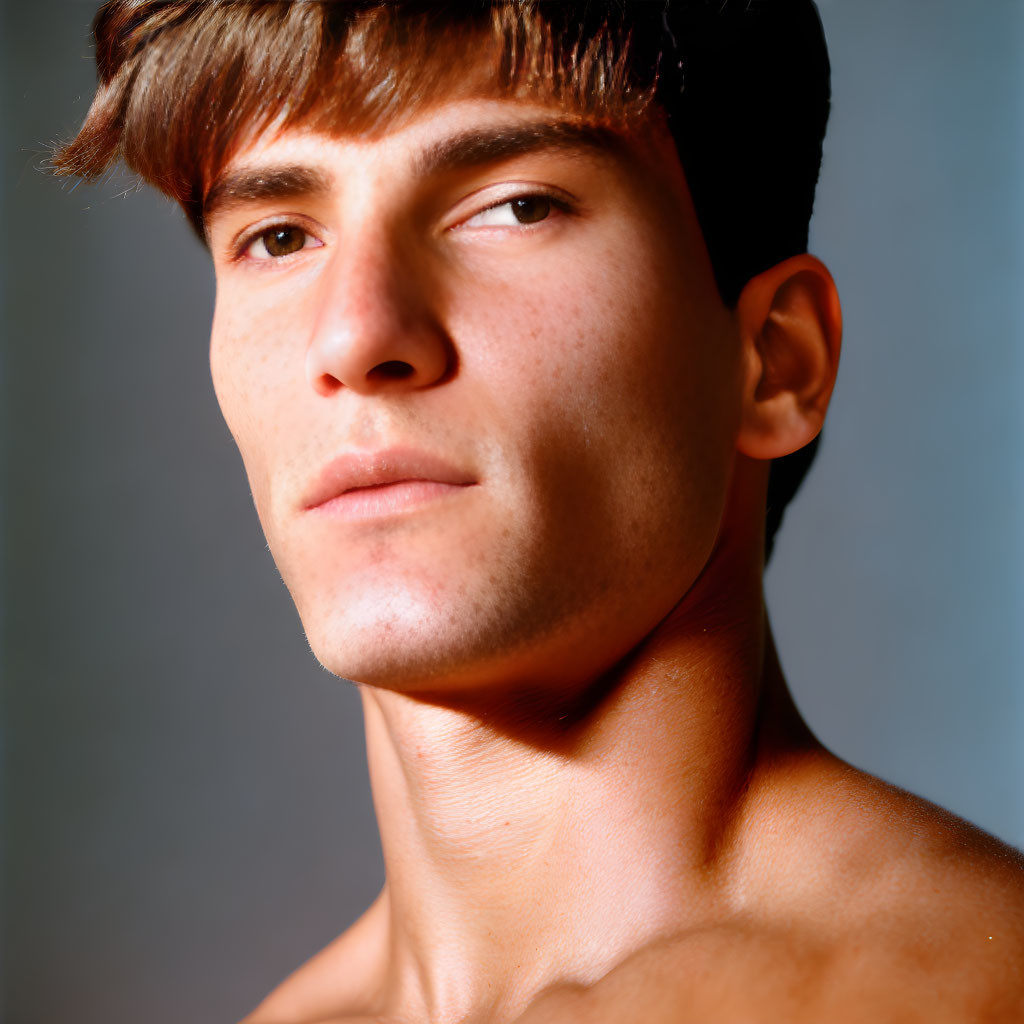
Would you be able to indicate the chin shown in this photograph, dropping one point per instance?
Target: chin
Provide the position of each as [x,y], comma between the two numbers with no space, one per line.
[468,647]
[401,640]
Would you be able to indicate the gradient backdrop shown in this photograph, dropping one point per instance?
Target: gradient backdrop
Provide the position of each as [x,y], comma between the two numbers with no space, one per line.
[187,809]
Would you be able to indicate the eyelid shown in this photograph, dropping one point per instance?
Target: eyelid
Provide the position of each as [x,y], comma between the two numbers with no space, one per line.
[565,202]
[238,246]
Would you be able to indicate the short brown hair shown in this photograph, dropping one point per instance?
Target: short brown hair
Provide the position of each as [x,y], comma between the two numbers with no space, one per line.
[744,85]
[184,84]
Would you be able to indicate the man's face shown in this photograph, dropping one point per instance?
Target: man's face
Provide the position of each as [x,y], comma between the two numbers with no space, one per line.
[483,385]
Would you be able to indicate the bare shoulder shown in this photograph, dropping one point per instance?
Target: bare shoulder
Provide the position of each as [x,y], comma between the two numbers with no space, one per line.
[902,900]
[840,838]
[853,901]
[343,973]
[744,972]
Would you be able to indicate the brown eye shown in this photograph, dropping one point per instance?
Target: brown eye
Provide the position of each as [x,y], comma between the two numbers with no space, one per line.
[519,210]
[283,241]
[530,209]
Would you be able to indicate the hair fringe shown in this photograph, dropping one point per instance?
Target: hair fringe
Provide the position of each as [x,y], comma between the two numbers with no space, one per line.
[184,84]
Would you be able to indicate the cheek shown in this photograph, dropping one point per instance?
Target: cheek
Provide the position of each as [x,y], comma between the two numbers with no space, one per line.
[616,358]
[241,366]
[608,387]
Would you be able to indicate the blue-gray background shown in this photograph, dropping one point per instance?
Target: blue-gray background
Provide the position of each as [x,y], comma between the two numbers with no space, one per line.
[186,803]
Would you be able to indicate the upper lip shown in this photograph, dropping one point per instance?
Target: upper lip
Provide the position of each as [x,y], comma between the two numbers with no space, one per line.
[373,469]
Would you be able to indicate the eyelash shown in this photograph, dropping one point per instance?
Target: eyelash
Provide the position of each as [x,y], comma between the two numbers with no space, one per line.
[558,203]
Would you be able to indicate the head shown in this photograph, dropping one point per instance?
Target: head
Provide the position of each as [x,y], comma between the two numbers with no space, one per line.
[545,260]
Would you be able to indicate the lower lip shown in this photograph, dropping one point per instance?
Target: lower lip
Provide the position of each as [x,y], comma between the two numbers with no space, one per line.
[386,499]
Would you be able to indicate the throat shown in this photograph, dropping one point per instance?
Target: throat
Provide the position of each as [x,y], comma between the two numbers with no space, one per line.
[527,863]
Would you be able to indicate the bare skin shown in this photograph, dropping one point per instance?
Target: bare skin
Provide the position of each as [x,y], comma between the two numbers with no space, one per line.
[596,800]
[818,892]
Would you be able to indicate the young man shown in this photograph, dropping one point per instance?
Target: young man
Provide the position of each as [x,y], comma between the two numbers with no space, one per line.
[517,338]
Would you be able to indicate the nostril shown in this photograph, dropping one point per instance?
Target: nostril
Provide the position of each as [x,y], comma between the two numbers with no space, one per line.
[393,369]
[327,384]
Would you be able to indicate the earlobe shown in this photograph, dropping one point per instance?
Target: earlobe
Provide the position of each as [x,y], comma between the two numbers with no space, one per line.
[791,329]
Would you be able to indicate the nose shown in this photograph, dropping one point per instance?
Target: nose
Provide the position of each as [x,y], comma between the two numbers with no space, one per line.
[375,329]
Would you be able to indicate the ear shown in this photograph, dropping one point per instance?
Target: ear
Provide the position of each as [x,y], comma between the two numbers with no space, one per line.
[790,327]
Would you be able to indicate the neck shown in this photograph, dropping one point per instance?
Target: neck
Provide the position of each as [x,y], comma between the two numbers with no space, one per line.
[521,857]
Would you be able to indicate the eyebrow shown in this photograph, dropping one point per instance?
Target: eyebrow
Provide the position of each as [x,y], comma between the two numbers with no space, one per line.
[254,185]
[472,148]
[486,145]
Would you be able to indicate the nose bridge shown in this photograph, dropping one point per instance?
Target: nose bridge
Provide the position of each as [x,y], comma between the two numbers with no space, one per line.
[362,276]
[374,328]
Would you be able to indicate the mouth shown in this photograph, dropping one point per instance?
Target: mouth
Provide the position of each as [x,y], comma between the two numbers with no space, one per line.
[365,485]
